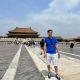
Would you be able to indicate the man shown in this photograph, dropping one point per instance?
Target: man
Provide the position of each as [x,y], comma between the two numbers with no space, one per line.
[51,53]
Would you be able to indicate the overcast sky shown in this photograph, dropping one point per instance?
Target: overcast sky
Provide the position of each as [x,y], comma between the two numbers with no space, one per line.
[63,16]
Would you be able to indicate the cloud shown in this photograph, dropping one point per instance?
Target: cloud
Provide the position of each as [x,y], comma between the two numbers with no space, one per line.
[62,5]
[6,24]
[61,15]
[8,21]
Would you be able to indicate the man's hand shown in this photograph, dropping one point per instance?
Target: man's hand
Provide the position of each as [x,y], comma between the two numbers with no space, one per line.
[59,55]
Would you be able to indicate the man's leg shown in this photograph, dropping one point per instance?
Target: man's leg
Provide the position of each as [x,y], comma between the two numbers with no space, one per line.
[55,62]
[48,61]
[56,69]
[49,73]
[48,65]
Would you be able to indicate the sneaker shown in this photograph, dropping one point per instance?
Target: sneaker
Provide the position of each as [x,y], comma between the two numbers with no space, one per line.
[49,75]
[58,77]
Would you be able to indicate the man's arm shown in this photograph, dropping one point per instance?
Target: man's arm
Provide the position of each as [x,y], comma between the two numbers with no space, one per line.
[58,49]
[44,51]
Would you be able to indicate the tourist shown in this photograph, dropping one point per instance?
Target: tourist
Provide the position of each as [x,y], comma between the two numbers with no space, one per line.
[42,42]
[51,53]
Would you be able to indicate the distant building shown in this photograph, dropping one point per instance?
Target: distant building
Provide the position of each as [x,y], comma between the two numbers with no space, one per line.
[59,38]
[77,39]
[22,33]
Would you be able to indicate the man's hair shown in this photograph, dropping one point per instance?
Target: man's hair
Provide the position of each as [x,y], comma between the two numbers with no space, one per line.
[49,30]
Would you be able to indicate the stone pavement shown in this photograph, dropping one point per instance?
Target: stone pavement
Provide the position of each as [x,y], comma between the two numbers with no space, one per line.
[69,68]
[27,70]
[30,64]
[17,64]
[7,53]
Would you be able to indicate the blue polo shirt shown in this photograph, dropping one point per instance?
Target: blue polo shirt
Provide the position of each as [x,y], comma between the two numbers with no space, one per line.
[51,45]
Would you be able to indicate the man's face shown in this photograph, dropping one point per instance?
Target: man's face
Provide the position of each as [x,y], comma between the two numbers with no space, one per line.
[50,33]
